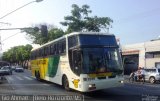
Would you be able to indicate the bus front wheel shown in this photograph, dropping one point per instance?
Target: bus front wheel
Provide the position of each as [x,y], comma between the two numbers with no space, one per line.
[65,83]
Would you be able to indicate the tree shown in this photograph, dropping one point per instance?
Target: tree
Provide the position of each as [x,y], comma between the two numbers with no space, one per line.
[36,36]
[18,54]
[55,33]
[80,20]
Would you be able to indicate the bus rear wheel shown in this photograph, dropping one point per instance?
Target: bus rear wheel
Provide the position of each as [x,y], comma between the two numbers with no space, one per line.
[65,83]
[37,75]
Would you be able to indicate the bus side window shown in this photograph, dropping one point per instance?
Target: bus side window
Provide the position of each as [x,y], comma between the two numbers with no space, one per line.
[55,48]
[59,47]
[51,49]
[63,46]
[46,51]
[72,41]
[49,52]
[31,55]
[35,54]
[43,52]
[40,52]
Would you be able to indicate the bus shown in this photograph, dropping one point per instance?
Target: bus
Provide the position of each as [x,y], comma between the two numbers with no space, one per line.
[83,61]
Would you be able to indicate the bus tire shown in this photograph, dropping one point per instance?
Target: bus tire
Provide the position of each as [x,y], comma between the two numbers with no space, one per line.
[37,75]
[65,83]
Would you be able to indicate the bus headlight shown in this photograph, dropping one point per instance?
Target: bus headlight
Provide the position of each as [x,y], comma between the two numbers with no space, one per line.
[121,81]
[91,86]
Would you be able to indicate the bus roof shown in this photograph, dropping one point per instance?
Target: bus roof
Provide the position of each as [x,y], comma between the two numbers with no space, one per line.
[74,33]
[89,33]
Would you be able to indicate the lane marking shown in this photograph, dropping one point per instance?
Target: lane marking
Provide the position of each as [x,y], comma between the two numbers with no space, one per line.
[19,78]
[10,78]
[28,78]
[46,84]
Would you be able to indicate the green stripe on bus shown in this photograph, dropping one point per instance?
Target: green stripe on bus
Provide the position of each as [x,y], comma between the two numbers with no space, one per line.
[53,65]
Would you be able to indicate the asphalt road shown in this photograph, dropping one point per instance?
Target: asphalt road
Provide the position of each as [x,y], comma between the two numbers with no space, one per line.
[25,84]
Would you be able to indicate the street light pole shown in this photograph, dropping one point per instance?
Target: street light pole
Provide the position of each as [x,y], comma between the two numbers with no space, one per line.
[13,12]
[0,36]
[20,8]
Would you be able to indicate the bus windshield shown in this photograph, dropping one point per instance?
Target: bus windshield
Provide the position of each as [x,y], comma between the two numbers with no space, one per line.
[97,60]
[96,40]
[95,54]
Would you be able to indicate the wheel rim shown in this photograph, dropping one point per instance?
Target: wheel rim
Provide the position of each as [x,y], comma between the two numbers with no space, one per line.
[152,80]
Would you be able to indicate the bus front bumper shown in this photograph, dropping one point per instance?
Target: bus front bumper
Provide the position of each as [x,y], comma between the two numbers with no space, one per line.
[101,84]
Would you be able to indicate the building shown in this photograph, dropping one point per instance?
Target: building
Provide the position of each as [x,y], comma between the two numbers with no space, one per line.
[145,55]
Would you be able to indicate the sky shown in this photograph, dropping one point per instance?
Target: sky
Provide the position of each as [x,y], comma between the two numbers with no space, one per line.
[134,21]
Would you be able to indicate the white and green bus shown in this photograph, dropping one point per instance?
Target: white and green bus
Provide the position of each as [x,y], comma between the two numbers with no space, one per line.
[83,61]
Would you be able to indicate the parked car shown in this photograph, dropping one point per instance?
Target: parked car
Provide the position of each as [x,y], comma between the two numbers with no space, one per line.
[152,75]
[6,70]
[19,69]
[13,67]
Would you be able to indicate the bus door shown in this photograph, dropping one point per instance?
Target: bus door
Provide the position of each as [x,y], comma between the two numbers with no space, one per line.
[75,61]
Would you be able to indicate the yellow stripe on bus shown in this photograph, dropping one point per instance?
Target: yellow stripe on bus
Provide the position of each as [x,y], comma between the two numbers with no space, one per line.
[100,75]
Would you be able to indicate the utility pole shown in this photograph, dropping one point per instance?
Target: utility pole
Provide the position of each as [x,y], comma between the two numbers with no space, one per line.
[0,43]
[20,8]
[0,35]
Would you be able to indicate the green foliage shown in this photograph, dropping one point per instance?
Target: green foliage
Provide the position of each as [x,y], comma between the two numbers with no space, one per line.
[80,21]
[17,54]
[37,38]
[55,33]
